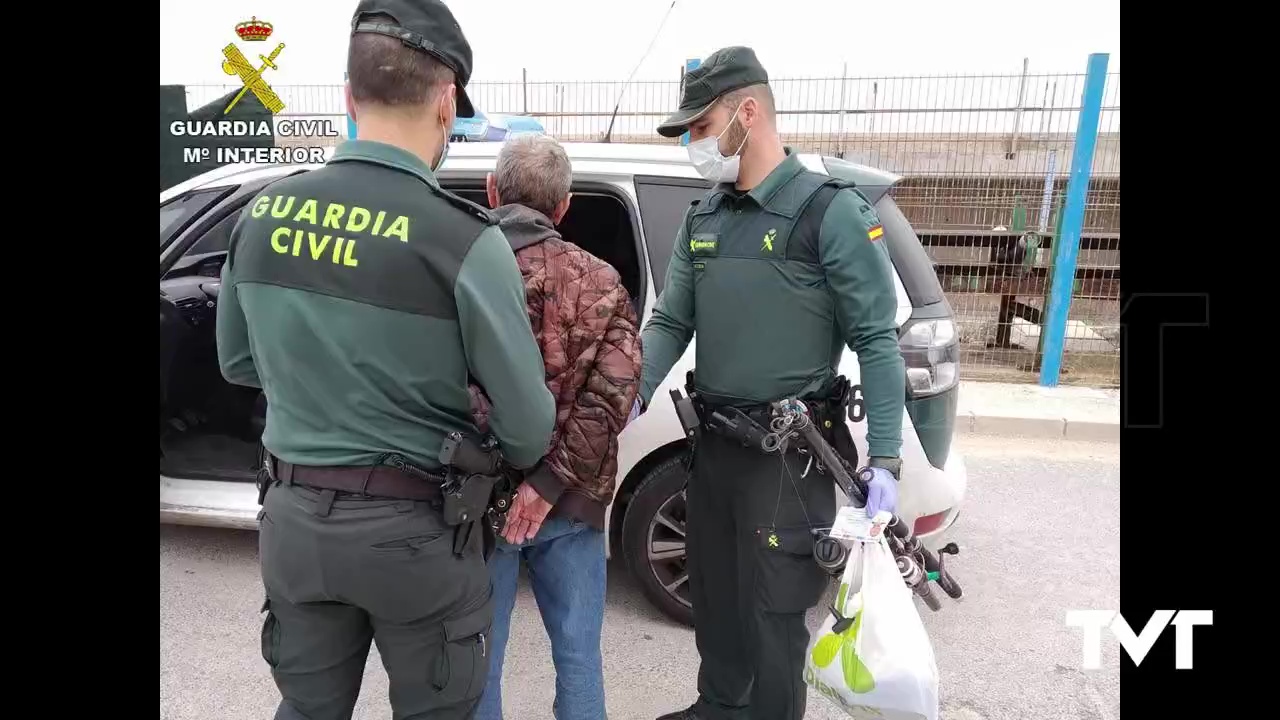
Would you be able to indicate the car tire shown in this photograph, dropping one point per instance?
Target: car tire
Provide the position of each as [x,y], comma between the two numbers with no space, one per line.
[661,491]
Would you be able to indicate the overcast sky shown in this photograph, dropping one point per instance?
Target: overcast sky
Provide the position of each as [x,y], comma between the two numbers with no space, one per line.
[566,40]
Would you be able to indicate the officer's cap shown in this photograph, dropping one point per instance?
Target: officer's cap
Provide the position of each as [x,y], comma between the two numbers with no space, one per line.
[427,26]
[724,71]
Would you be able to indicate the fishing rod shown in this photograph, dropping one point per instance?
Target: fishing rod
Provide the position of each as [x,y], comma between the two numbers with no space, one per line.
[916,563]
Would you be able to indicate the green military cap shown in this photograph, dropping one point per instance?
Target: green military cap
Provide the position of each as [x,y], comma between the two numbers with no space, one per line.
[724,71]
[426,26]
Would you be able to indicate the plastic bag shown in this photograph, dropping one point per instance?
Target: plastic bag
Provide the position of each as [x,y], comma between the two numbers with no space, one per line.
[881,665]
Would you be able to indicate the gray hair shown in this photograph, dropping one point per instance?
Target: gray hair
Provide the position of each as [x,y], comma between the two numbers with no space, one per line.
[533,170]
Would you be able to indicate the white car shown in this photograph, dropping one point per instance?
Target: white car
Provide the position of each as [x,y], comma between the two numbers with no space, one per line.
[628,201]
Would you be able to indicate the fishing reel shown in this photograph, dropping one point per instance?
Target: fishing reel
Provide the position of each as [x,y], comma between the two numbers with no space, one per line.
[830,554]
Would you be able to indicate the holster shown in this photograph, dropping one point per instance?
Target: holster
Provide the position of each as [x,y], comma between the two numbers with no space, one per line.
[691,412]
[739,426]
[831,413]
[264,479]
[474,473]
[466,497]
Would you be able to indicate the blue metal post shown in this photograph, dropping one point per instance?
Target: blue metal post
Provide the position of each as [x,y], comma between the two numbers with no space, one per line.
[1066,246]
[351,124]
[690,64]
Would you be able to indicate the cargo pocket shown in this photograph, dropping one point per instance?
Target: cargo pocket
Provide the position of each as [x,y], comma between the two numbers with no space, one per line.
[270,636]
[463,665]
[787,579]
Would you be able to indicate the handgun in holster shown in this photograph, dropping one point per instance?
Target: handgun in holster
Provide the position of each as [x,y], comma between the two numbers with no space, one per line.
[473,472]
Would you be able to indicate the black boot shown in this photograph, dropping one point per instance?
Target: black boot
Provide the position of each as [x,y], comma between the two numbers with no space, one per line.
[686,714]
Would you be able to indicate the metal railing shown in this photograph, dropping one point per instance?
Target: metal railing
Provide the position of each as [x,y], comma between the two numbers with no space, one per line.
[985,161]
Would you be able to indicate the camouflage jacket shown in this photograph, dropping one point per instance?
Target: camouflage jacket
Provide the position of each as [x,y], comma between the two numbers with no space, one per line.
[588,332]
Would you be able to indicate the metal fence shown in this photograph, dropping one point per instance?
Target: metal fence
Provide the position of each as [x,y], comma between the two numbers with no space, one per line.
[985,161]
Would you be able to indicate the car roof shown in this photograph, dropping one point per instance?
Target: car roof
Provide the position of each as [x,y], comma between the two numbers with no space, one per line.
[465,159]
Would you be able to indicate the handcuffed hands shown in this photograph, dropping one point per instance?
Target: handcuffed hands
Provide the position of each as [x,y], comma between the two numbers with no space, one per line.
[882,492]
[525,517]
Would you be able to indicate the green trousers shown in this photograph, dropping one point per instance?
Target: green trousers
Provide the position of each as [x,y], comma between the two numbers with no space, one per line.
[752,577]
[343,573]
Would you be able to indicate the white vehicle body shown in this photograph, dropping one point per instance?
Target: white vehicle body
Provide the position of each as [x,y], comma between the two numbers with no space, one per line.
[925,490]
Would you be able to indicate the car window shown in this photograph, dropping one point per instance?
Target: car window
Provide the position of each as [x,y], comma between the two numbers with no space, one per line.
[176,213]
[663,202]
[910,259]
[218,238]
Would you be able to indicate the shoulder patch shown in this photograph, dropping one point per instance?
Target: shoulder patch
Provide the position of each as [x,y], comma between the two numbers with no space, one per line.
[875,230]
[479,213]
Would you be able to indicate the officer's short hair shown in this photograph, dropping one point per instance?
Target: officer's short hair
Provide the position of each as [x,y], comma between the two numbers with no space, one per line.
[533,170]
[383,71]
[762,93]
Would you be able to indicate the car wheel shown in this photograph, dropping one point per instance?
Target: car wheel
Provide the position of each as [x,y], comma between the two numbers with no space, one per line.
[653,538]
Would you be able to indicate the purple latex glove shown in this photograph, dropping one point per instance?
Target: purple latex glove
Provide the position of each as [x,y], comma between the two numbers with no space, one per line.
[882,492]
[635,412]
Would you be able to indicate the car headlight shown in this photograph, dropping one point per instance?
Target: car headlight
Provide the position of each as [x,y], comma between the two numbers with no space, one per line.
[931,352]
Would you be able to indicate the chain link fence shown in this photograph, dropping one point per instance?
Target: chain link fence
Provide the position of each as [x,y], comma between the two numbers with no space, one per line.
[985,161]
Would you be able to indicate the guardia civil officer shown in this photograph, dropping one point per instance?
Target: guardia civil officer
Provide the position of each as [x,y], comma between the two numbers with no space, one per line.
[776,269]
[361,297]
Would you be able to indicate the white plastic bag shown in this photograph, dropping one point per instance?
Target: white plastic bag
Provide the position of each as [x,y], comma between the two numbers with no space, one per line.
[881,666]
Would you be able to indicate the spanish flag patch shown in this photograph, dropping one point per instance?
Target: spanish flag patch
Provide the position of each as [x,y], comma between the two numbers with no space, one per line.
[875,232]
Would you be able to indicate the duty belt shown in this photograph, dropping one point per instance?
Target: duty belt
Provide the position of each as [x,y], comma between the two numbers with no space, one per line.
[749,425]
[463,491]
[397,480]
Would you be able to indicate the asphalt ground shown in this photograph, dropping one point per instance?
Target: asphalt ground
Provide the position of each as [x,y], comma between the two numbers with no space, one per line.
[1040,535]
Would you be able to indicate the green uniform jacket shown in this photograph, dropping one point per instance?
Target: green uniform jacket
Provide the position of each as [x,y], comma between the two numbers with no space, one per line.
[362,297]
[773,310]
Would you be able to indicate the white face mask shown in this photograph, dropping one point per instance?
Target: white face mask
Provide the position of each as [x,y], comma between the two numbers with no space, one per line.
[707,160]
[444,152]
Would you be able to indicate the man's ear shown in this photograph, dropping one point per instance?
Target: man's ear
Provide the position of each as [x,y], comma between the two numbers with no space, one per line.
[561,208]
[750,112]
[448,103]
[491,190]
[351,103]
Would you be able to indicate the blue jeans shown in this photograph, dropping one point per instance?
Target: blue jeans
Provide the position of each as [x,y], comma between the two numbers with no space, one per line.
[567,569]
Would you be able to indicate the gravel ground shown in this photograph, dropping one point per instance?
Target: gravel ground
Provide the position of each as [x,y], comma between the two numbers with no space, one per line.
[1040,535]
